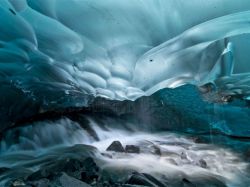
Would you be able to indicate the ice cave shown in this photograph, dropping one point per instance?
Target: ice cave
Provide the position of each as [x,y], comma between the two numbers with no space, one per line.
[124,93]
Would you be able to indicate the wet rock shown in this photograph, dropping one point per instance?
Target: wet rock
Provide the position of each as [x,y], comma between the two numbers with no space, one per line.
[156,150]
[19,183]
[42,173]
[203,180]
[149,147]
[172,161]
[115,174]
[67,181]
[247,154]
[187,183]
[130,185]
[89,177]
[3,170]
[154,180]
[132,149]
[107,155]
[85,170]
[139,180]
[200,140]
[116,146]
[203,163]
[144,179]
[40,183]
[183,155]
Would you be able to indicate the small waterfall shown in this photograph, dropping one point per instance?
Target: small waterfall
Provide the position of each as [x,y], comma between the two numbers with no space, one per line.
[43,135]
[63,132]
[179,153]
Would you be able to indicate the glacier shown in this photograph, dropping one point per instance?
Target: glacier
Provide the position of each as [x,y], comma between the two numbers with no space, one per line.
[119,50]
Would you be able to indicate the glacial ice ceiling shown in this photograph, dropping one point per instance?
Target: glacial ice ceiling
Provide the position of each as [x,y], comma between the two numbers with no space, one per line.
[57,52]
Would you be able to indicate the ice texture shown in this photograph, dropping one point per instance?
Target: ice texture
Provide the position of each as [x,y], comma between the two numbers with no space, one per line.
[57,52]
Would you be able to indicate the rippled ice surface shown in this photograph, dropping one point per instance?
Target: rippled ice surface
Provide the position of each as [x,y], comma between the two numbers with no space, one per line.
[180,156]
[120,50]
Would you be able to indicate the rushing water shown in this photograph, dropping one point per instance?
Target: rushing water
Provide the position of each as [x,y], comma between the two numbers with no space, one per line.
[180,155]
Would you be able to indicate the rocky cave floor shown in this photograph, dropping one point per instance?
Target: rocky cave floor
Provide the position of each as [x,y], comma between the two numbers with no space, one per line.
[160,160]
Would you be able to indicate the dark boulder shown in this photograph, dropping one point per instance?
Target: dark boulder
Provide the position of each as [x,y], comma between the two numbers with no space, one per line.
[132,149]
[3,170]
[156,150]
[64,180]
[116,146]
[203,163]
[85,170]
[144,180]
[40,183]
[204,181]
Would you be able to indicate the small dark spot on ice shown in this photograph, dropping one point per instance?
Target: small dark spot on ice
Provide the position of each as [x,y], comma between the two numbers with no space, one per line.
[151,60]
[12,11]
